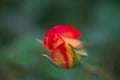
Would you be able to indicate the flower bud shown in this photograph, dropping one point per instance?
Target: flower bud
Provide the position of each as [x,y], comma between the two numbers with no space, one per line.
[63,46]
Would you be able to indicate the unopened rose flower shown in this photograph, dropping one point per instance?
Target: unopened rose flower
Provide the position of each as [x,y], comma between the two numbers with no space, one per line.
[63,46]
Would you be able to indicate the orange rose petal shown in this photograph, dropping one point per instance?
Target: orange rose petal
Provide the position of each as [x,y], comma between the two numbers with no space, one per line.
[72,41]
[60,57]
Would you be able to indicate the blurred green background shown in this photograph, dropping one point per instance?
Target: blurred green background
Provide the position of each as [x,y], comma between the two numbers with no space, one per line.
[22,21]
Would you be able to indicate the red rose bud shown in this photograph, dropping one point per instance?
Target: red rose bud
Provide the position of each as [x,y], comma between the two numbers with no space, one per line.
[63,46]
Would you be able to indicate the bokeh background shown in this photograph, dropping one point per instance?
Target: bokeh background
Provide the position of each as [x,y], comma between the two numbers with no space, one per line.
[22,21]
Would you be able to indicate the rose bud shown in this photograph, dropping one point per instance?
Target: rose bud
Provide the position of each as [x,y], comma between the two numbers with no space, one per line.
[63,46]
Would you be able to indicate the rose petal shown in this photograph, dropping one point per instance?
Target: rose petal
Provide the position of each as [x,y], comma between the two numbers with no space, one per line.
[60,56]
[72,41]
[67,31]
[52,40]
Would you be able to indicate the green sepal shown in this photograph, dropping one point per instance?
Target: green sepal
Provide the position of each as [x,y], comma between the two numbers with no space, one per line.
[76,62]
[80,51]
[43,50]
[77,51]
